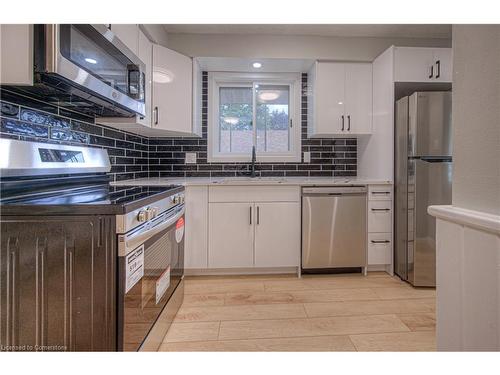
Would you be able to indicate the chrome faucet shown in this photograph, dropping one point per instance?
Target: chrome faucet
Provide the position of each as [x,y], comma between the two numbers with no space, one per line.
[252,166]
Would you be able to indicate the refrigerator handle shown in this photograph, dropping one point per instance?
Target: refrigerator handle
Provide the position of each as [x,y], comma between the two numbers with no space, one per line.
[432,71]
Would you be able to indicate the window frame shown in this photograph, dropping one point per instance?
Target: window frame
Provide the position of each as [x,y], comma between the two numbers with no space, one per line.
[216,80]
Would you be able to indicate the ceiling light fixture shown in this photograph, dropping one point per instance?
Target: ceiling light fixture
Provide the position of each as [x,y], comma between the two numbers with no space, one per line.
[257,65]
[267,96]
[90,60]
[162,76]
[231,120]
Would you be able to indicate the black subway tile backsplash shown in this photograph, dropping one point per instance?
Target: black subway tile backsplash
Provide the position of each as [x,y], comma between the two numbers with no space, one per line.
[135,156]
[329,157]
[42,122]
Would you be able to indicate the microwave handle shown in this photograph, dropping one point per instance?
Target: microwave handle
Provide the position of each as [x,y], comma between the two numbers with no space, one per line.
[135,78]
[128,243]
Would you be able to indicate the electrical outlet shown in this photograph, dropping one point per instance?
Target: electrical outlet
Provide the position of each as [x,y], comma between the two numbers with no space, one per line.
[190,158]
[307,157]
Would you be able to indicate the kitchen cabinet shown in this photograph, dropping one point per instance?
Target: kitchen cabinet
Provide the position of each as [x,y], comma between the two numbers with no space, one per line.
[172,93]
[380,228]
[16,57]
[277,234]
[231,235]
[254,227]
[58,277]
[196,239]
[341,99]
[128,34]
[417,64]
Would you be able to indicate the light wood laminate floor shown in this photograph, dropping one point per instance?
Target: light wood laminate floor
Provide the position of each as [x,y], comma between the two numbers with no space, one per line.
[315,313]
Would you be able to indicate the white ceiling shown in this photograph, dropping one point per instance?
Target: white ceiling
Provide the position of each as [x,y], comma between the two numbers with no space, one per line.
[377,31]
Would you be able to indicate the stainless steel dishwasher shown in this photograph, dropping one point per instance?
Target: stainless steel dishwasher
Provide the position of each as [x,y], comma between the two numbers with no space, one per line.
[334,228]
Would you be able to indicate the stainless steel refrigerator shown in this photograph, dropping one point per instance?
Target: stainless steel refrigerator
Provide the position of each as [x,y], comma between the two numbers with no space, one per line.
[423,168]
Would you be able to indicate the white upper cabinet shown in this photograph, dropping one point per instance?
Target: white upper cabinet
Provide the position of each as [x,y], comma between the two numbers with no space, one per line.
[128,34]
[416,64]
[172,92]
[340,99]
[358,98]
[16,57]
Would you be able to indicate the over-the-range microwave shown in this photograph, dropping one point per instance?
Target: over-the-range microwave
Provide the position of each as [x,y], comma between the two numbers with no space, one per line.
[87,68]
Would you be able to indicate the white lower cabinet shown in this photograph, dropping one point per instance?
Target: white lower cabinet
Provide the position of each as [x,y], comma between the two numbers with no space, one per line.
[380,227]
[230,235]
[246,227]
[277,234]
[195,243]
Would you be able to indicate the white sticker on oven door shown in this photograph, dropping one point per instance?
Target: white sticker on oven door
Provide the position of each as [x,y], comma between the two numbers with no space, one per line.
[179,230]
[134,267]
[162,284]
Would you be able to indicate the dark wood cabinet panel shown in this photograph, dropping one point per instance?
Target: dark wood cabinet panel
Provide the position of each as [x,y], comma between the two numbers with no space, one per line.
[58,283]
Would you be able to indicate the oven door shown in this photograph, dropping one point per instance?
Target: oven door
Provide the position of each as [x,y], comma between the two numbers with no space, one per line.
[93,57]
[151,266]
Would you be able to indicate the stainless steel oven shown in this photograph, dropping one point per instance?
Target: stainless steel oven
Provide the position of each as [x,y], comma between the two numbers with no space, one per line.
[91,63]
[151,269]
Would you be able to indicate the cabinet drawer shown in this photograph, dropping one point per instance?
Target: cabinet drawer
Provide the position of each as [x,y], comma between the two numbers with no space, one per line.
[380,192]
[254,194]
[379,248]
[379,216]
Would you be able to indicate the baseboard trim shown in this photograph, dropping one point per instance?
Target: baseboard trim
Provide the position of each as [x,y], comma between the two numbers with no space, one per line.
[240,271]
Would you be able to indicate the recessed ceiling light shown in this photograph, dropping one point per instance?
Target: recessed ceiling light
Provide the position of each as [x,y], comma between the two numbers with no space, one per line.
[163,76]
[257,65]
[90,61]
[231,120]
[267,96]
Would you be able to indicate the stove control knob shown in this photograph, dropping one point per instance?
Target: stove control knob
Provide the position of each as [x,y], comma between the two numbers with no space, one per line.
[142,216]
[154,212]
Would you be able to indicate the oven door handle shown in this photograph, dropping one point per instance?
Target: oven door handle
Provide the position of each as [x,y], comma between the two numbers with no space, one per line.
[128,243]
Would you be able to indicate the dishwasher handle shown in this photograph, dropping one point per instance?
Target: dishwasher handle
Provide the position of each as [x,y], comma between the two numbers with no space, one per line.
[334,190]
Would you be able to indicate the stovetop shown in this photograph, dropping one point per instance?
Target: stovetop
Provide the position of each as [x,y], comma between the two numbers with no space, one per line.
[78,195]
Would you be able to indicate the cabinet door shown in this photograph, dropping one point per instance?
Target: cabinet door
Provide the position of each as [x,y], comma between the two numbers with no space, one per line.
[329,99]
[60,274]
[145,54]
[277,234]
[172,91]
[231,235]
[128,34]
[16,57]
[414,64]
[196,243]
[358,98]
[443,65]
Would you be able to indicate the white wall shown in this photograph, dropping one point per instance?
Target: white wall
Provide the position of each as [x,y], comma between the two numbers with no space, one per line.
[290,46]
[476,117]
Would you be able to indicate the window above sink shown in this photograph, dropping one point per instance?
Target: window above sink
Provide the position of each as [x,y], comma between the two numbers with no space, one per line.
[254,109]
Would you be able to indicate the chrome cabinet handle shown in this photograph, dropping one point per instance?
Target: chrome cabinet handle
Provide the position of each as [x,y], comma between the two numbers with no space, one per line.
[438,65]
[348,123]
[432,71]
[380,241]
[342,122]
[258,215]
